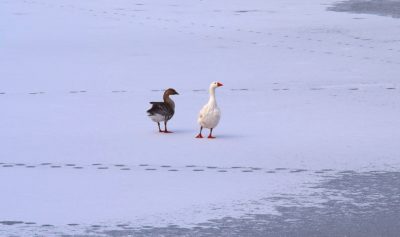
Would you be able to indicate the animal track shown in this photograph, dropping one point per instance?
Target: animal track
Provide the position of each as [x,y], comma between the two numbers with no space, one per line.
[120,12]
[11,222]
[73,224]
[298,171]
[248,90]
[148,167]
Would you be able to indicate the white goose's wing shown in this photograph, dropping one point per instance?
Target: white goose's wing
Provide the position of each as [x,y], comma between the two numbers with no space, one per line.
[203,112]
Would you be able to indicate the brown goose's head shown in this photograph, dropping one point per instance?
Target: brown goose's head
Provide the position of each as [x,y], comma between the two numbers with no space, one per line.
[170,91]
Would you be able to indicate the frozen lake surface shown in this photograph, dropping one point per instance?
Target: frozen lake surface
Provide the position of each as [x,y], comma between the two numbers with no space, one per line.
[371,208]
[307,144]
[379,7]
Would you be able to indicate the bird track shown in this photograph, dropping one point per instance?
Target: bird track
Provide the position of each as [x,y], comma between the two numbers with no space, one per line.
[3,93]
[160,168]
[187,29]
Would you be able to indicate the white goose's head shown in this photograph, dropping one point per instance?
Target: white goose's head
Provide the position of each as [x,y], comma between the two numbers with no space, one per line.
[215,84]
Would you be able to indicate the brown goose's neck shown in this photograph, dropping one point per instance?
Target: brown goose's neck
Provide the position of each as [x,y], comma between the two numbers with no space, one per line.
[169,101]
[165,97]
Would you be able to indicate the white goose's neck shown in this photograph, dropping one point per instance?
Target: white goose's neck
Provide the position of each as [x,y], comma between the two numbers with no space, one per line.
[212,101]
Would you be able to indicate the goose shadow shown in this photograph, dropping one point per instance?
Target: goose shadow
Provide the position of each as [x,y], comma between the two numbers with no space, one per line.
[217,135]
[182,131]
[193,133]
[176,131]
[227,136]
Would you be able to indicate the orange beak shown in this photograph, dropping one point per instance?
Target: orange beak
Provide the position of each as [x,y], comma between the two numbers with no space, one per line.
[219,84]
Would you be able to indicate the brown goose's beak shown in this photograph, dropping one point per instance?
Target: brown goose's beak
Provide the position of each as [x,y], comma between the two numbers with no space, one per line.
[176,93]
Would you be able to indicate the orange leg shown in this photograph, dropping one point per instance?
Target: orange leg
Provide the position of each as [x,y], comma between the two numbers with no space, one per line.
[165,126]
[200,136]
[210,136]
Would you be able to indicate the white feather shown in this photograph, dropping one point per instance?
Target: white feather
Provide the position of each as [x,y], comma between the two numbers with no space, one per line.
[210,114]
[157,118]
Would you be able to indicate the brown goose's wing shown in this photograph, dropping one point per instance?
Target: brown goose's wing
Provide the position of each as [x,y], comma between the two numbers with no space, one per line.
[160,108]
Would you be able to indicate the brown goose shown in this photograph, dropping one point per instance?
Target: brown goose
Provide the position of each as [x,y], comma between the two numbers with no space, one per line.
[163,111]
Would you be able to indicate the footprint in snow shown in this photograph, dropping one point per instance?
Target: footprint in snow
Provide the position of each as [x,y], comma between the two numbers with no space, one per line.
[11,222]
[47,225]
[298,171]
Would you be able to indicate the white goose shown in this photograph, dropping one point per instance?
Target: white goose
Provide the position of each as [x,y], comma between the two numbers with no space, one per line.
[210,113]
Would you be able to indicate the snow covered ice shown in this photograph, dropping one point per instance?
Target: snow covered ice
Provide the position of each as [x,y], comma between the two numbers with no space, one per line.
[310,112]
